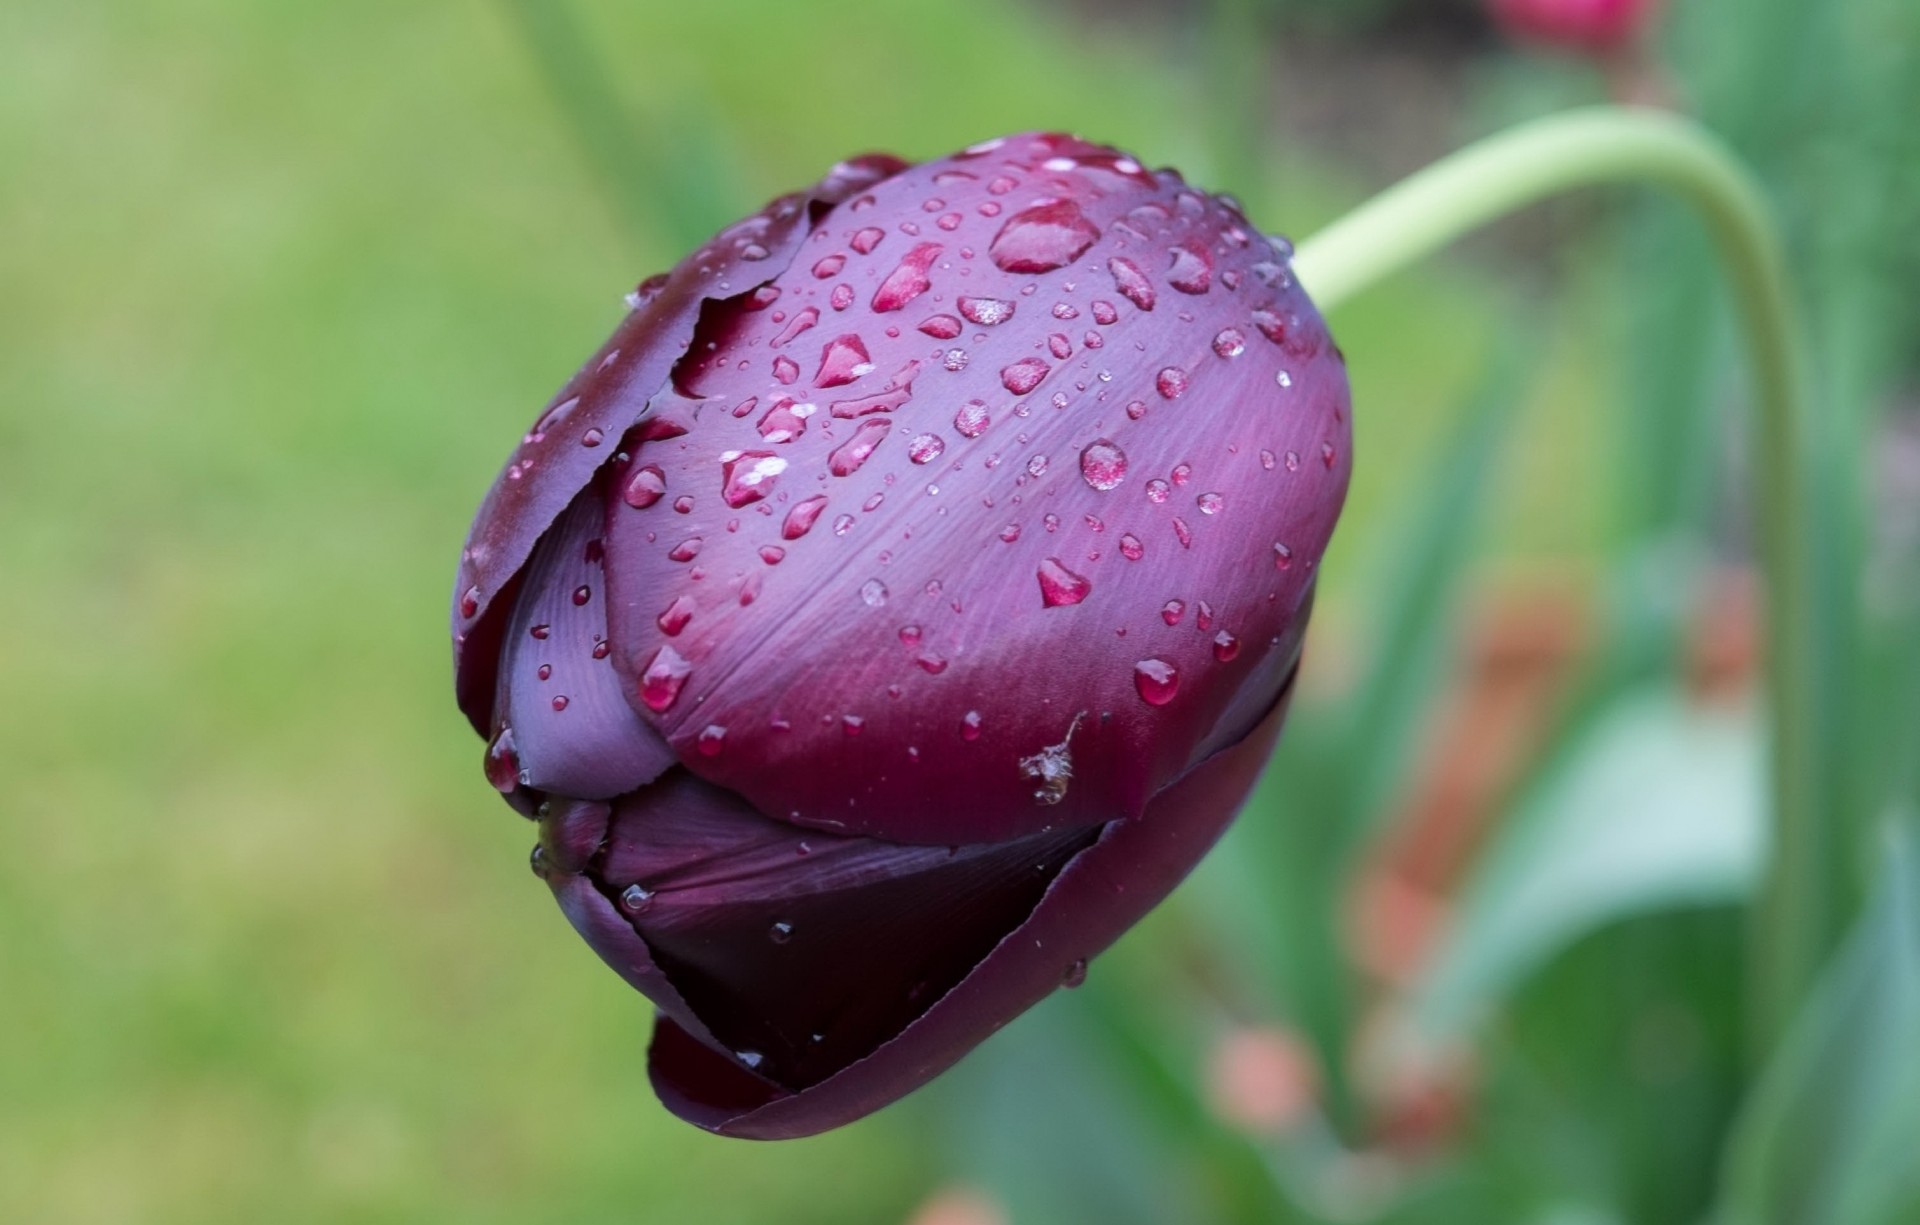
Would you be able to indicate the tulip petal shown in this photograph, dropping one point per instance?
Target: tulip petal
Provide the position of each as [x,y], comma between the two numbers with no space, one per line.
[1132,866]
[802,952]
[926,629]
[573,731]
[581,428]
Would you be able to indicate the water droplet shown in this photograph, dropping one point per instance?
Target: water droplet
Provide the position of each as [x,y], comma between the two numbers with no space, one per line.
[828,266]
[1158,490]
[1284,379]
[537,861]
[1104,313]
[971,419]
[940,327]
[1103,464]
[1210,503]
[970,725]
[1024,375]
[1010,533]
[1052,521]
[1037,466]
[1326,454]
[843,525]
[801,321]
[910,635]
[801,518]
[686,550]
[540,631]
[780,932]
[643,487]
[1171,382]
[933,665]
[1282,556]
[843,360]
[873,593]
[1131,282]
[1184,532]
[753,1059]
[1043,237]
[986,311]
[712,739]
[674,617]
[852,725]
[1229,342]
[592,438]
[925,448]
[634,898]
[1266,459]
[1191,271]
[772,554]
[470,602]
[503,762]
[1131,548]
[683,504]
[1172,611]
[602,649]
[1075,974]
[1204,620]
[1059,585]
[849,455]
[908,280]
[1181,474]
[864,241]
[665,674]
[842,296]
[748,477]
[1225,646]
[1156,680]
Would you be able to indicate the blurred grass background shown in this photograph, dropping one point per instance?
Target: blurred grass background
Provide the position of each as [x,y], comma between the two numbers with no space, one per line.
[280,283]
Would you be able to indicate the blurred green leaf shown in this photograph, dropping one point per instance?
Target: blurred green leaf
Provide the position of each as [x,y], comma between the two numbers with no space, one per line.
[1655,804]
[1828,1136]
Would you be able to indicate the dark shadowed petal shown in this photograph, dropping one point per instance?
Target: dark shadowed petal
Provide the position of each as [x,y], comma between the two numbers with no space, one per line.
[800,951]
[580,428]
[573,731]
[1005,577]
[1101,892]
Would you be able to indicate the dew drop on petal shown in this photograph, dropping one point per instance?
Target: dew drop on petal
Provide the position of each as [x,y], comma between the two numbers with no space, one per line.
[662,679]
[1103,464]
[1059,585]
[873,593]
[1156,680]
[801,518]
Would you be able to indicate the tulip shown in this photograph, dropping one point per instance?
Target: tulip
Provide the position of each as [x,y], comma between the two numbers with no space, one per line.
[1594,27]
[899,604]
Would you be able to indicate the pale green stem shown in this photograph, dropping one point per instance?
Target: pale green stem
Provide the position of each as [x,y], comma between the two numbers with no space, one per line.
[1796,915]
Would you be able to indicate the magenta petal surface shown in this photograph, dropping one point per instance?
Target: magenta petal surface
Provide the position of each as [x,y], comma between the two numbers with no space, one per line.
[968,599]
[579,429]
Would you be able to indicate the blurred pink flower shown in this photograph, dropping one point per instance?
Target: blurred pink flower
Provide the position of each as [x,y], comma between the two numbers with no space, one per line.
[1592,26]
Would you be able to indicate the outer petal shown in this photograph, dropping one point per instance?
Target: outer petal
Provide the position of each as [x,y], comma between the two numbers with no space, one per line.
[1101,893]
[560,701]
[801,952]
[879,636]
[582,427]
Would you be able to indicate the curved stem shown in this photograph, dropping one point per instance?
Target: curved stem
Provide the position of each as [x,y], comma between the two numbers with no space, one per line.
[1796,918]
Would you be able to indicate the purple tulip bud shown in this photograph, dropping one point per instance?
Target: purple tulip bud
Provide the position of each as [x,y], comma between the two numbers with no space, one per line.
[900,603]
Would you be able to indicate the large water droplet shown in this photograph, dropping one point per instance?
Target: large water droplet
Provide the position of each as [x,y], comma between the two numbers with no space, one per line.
[1282,557]
[663,678]
[801,518]
[1229,342]
[470,602]
[1042,238]
[643,487]
[908,280]
[1192,268]
[674,617]
[1024,375]
[1225,646]
[864,241]
[1103,464]
[842,360]
[1131,282]
[849,455]
[712,739]
[686,550]
[1059,585]
[970,419]
[503,762]
[1156,680]
[1171,382]
[970,725]
[940,327]
[748,477]
[785,420]
[985,311]
[873,593]
[1210,503]
[1172,611]
[1131,548]
[1158,490]
[925,448]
